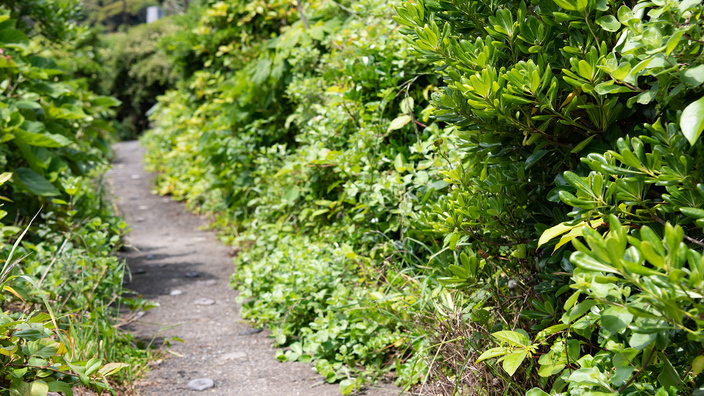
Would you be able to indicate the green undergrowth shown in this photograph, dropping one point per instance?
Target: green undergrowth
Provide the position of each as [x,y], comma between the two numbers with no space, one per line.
[61,284]
[312,152]
[492,198]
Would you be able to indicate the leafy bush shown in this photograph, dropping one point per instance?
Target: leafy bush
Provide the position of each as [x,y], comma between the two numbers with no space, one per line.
[61,288]
[578,120]
[136,71]
[311,149]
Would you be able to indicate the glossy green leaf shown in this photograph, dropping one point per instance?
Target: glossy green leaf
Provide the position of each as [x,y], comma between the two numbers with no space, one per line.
[35,182]
[513,361]
[609,23]
[614,319]
[399,122]
[692,120]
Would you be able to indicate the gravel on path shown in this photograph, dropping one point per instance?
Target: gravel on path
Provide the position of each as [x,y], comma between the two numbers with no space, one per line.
[167,246]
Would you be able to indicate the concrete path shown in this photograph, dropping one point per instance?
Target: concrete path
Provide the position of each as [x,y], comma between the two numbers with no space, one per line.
[168,248]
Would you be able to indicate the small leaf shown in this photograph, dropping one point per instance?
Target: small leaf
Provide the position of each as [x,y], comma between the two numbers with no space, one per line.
[695,213]
[492,353]
[512,337]
[582,144]
[399,122]
[112,368]
[552,232]
[673,41]
[346,387]
[60,387]
[693,76]
[587,262]
[581,309]
[92,366]
[609,23]
[692,121]
[536,392]
[566,4]
[533,158]
[513,361]
[639,341]
[698,365]
[669,377]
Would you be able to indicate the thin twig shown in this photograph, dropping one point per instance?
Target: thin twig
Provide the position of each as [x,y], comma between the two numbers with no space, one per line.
[299,6]
[690,239]
[633,378]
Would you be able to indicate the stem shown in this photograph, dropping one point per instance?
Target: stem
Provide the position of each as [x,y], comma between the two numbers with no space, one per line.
[299,6]
[633,378]
[689,239]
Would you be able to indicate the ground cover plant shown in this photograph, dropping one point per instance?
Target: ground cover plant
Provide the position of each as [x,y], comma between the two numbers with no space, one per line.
[61,285]
[485,197]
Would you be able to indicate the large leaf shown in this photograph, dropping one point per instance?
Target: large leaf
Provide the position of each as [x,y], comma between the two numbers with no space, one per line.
[615,319]
[60,386]
[692,120]
[668,376]
[35,182]
[34,133]
[13,38]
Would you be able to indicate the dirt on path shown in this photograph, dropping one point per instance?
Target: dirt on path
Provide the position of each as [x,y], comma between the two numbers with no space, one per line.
[170,253]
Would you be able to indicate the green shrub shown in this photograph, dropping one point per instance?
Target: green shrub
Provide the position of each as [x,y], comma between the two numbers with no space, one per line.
[578,120]
[61,286]
[136,71]
[311,148]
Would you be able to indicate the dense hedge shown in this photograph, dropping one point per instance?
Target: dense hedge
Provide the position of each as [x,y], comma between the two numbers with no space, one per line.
[490,198]
[581,122]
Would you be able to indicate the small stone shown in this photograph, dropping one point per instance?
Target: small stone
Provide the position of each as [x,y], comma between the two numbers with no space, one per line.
[176,292]
[135,177]
[140,219]
[234,356]
[139,271]
[165,200]
[203,301]
[161,265]
[208,282]
[250,331]
[149,256]
[143,207]
[200,384]
[192,274]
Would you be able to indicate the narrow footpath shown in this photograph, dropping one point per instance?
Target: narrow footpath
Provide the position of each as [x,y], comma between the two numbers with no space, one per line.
[183,268]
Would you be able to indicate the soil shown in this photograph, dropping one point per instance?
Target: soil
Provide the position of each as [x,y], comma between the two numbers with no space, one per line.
[165,244]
